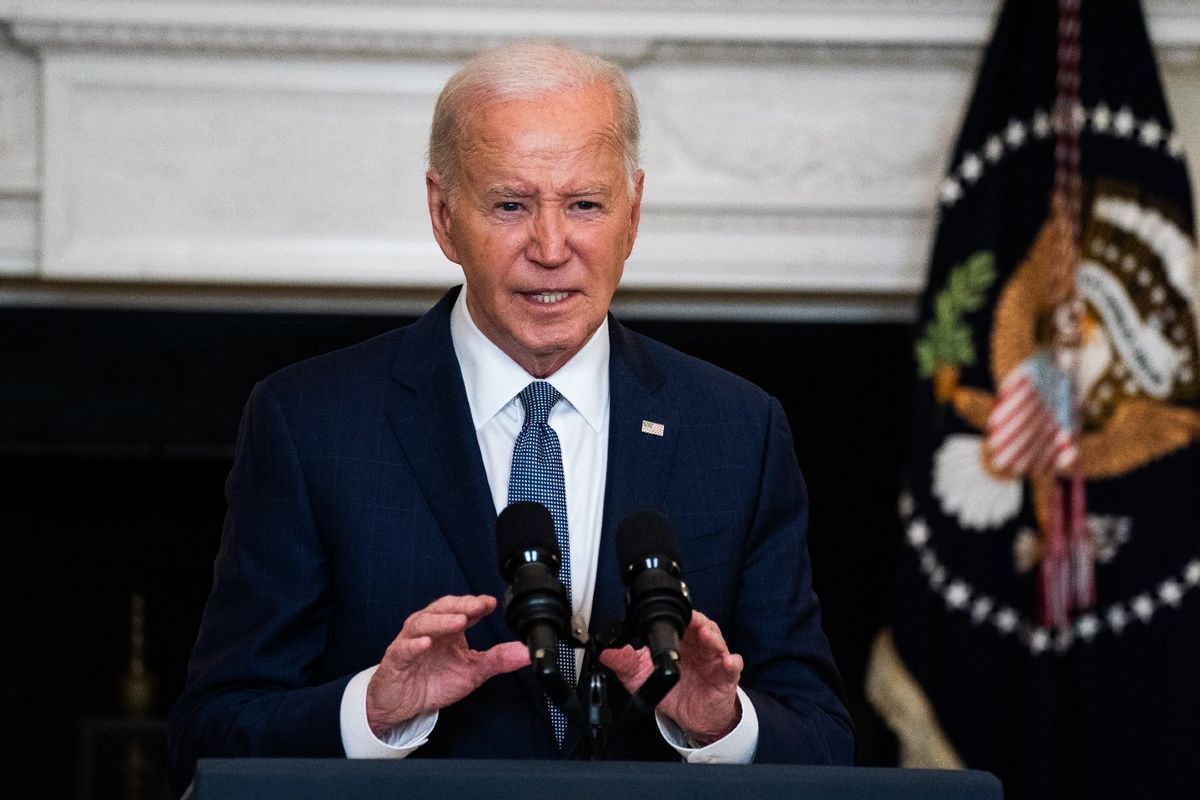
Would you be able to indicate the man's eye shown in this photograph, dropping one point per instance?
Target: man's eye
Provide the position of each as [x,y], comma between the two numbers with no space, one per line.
[587,205]
[510,206]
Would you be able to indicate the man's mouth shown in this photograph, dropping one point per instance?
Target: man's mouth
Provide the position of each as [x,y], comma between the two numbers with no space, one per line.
[548,297]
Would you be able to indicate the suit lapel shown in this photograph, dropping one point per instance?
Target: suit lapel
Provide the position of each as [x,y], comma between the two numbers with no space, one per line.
[430,416]
[639,463]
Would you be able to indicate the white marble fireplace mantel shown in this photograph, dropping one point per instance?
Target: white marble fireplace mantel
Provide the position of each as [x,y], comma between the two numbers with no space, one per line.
[233,153]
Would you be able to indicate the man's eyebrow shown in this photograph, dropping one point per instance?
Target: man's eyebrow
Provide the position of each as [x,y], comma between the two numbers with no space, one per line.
[506,192]
[599,188]
[509,191]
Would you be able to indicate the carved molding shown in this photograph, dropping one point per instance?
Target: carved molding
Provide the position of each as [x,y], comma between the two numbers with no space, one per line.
[807,137]
[621,29]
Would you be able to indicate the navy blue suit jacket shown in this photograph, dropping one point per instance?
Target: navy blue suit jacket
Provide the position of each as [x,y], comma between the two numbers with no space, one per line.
[358,496]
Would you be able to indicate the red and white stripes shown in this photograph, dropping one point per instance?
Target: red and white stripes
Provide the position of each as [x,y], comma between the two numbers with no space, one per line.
[1028,432]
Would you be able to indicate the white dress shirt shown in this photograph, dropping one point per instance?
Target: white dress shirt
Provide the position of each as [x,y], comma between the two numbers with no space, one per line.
[580,418]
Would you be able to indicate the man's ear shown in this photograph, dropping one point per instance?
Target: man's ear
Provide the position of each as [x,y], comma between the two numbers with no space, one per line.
[440,214]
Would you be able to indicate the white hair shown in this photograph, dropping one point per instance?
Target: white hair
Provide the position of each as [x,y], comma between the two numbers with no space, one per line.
[525,71]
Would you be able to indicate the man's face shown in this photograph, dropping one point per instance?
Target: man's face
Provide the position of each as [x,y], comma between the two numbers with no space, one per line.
[541,221]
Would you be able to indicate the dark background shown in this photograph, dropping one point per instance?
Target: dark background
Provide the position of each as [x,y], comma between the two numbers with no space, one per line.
[116,434]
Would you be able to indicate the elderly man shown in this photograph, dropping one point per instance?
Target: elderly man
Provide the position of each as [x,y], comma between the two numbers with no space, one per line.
[365,491]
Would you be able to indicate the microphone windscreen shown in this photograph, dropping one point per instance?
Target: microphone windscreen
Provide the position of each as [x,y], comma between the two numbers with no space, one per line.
[522,526]
[645,533]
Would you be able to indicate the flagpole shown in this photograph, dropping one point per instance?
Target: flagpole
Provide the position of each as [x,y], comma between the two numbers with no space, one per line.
[1067,571]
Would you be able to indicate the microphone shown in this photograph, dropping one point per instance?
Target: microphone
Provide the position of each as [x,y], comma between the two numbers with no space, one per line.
[536,606]
[656,598]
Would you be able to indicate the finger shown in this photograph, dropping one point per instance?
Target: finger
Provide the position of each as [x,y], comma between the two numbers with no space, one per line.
[632,667]
[733,664]
[721,672]
[404,650]
[697,645]
[472,605]
[701,623]
[726,668]
[618,659]
[692,631]
[487,606]
[425,623]
[502,658]
[711,638]
[703,642]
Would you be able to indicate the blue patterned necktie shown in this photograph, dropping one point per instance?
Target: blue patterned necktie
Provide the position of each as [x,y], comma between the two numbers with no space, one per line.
[537,475]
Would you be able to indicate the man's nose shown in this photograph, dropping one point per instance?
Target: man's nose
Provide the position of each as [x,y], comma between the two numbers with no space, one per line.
[548,244]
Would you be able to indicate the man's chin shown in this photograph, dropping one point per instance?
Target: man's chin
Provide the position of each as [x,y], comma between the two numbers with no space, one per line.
[542,357]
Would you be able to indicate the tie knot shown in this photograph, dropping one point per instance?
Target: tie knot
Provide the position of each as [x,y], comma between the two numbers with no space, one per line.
[538,398]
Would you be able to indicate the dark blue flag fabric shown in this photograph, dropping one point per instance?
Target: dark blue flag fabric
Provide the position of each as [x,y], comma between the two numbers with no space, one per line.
[1047,616]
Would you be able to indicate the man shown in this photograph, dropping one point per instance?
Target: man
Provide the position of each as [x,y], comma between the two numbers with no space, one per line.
[364,493]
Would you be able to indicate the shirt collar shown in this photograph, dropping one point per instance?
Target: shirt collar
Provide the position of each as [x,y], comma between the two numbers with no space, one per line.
[492,379]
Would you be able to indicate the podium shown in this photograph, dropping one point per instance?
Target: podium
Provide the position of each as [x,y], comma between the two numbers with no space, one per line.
[452,779]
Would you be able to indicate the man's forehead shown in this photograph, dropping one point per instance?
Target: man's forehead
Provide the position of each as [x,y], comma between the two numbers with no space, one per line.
[575,118]
[508,156]
[548,141]
[516,176]
[514,154]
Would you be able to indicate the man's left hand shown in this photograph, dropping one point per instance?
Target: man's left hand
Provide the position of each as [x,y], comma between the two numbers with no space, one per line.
[704,703]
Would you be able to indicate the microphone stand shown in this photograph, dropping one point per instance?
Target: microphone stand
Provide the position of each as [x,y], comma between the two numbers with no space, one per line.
[593,687]
[588,705]
[548,676]
[593,691]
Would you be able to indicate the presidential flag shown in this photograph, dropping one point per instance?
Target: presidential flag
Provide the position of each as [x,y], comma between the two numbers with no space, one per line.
[1047,616]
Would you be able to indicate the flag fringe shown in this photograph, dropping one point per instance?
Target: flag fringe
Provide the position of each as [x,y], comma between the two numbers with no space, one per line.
[899,699]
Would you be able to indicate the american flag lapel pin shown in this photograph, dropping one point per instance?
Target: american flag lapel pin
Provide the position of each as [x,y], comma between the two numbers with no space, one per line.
[653,428]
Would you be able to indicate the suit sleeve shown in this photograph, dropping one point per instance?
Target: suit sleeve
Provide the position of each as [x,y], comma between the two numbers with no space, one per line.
[252,688]
[789,671]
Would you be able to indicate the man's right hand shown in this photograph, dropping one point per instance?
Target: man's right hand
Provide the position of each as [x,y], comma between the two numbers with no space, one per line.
[429,665]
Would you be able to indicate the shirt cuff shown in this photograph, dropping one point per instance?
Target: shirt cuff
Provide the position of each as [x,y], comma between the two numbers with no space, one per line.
[737,747]
[359,741]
